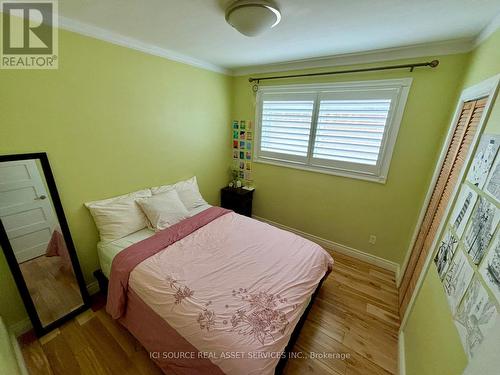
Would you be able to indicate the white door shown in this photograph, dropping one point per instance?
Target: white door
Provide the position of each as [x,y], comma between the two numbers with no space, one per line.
[25,209]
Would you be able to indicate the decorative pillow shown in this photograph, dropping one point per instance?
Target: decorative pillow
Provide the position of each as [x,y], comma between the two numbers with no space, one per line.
[188,191]
[164,209]
[119,216]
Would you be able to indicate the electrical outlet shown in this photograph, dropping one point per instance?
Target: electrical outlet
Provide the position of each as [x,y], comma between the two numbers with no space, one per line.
[372,239]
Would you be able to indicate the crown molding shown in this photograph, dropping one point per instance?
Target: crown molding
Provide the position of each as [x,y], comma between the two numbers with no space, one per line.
[488,30]
[440,48]
[124,41]
[419,50]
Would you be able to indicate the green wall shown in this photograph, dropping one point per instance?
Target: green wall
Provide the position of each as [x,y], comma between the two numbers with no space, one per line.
[432,344]
[346,210]
[113,120]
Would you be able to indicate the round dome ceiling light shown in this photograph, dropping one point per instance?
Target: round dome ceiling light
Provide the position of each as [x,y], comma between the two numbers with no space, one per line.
[253,17]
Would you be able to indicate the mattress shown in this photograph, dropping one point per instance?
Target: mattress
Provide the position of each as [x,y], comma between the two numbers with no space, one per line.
[107,251]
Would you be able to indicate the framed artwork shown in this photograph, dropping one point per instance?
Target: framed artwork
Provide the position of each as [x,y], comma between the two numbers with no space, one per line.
[490,268]
[248,155]
[482,225]
[475,317]
[249,145]
[249,136]
[243,124]
[242,165]
[483,159]
[235,144]
[242,134]
[242,145]
[463,208]
[248,175]
[236,154]
[446,250]
[493,181]
[249,166]
[242,155]
[235,134]
[235,125]
[457,279]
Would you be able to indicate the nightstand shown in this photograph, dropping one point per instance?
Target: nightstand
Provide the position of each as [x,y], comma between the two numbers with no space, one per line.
[237,199]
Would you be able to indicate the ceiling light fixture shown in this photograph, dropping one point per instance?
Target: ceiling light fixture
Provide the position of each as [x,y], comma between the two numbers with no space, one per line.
[253,17]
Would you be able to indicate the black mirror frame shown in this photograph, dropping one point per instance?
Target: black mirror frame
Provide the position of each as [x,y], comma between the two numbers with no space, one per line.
[41,330]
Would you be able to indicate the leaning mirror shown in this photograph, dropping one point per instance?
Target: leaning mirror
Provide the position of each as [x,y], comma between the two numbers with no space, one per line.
[36,240]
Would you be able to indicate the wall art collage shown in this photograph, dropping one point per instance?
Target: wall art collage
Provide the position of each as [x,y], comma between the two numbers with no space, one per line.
[242,138]
[467,257]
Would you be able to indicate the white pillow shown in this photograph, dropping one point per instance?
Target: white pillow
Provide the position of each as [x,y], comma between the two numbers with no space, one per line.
[119,216]
[164,209]
[188,191]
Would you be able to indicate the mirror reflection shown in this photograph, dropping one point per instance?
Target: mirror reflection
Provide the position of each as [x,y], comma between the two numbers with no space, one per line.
[32,227]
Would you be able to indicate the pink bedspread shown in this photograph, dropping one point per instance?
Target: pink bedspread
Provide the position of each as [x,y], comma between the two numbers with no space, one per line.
[234,289]
[57,248]
[128,259]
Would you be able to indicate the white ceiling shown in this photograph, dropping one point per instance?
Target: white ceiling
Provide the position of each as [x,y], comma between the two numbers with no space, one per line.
[196,29]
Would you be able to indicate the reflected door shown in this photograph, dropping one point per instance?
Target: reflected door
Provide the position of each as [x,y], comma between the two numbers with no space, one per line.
[49,279]
[25,209]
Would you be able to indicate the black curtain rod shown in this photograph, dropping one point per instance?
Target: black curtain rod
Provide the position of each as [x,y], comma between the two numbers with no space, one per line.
[431,64]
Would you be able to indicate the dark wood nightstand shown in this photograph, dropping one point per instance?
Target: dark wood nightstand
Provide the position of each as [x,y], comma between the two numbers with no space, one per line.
[237,199]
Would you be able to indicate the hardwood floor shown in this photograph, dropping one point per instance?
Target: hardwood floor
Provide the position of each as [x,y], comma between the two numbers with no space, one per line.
[52,287]
[354,321]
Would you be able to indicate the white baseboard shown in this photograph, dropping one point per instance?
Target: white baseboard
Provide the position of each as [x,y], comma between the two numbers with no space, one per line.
[343,249]
[24,325]
[93,287]
[401,354]
[20,327]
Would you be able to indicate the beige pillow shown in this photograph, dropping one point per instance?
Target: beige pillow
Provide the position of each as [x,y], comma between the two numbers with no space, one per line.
[164,209]
[119,216]
[188,191]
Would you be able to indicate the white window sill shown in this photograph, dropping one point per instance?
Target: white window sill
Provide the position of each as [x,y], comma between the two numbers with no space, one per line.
[324,170]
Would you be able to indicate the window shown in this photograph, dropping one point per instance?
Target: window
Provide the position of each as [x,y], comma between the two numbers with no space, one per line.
[347,129]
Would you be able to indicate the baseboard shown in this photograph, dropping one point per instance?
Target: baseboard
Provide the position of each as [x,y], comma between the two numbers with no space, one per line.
[24,325]
[343,249]
[401,354]
[93,287]
[20,327]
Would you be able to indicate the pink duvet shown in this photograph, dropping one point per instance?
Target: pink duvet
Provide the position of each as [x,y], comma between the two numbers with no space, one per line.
[234,289]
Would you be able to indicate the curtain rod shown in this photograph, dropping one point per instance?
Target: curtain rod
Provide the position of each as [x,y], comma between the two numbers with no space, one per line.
[431,64]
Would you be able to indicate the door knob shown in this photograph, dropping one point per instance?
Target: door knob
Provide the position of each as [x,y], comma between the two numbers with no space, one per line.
[41,197]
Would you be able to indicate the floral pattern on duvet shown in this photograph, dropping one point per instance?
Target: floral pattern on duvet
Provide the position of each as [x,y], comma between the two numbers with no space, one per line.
[259,314]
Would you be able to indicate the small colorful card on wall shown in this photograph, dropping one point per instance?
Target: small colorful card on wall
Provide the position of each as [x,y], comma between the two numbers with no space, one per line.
[242,138]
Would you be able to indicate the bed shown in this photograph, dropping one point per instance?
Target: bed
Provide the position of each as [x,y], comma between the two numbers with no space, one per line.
[216,293]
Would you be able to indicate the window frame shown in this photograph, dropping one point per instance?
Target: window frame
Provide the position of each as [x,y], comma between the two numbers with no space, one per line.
[398,90]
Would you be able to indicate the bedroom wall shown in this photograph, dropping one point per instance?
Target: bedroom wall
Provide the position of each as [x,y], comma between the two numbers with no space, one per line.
[113,120]
[432,344]
[346,210]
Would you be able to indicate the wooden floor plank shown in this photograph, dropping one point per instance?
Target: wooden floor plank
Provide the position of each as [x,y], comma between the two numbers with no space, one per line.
[60,356]
[355,315]
[35,359]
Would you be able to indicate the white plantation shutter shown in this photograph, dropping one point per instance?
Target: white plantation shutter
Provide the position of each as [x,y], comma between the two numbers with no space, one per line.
[351,130]
[286,123]
[347,129]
